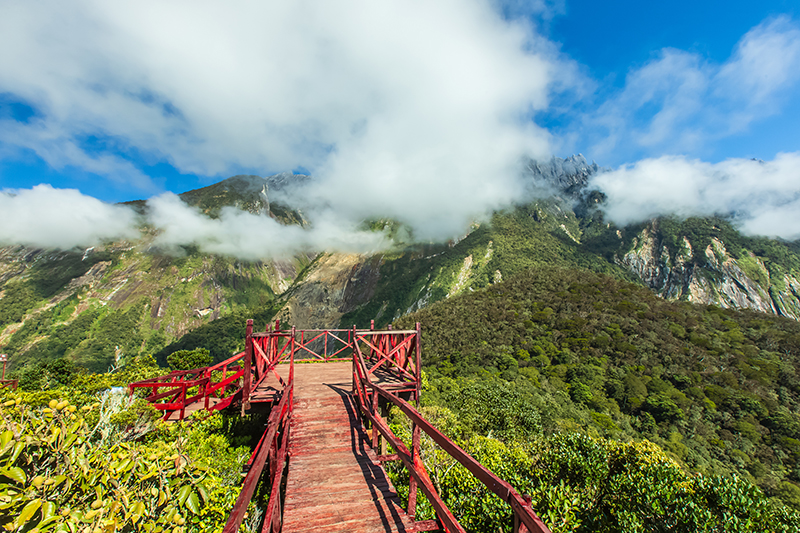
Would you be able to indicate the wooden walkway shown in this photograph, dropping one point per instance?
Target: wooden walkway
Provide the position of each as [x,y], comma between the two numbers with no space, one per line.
[334,482]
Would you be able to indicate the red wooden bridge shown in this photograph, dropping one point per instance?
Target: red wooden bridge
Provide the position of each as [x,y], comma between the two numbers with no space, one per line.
[327,437]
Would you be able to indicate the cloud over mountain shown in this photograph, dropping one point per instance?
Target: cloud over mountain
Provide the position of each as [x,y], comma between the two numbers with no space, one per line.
[390,104]
[61,218]
[763,196]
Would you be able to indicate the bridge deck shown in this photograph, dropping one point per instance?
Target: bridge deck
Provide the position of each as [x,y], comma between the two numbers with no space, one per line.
[333,480]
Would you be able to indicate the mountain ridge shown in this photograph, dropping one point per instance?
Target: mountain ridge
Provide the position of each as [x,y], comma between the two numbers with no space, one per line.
[699,260]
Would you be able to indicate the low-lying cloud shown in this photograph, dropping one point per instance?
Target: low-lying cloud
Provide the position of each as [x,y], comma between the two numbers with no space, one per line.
[763,197]
[44,217]
[61,218]
[250,236]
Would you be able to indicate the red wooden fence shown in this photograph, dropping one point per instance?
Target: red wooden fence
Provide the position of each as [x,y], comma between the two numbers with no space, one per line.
[386,364]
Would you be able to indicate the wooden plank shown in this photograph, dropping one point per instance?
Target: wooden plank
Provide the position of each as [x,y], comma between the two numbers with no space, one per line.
[334,481]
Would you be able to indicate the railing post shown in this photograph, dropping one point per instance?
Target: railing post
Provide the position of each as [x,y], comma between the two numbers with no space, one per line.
[418,357]
[519,527]
[412,485]
[375,414]
[351,339]
[248,356]
[294,344]
[183,400]
[385,416]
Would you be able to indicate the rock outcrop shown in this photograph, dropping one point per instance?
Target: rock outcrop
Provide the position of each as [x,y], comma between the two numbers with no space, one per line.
[709,276]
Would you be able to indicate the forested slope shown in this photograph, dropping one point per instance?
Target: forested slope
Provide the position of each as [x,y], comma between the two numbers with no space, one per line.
[717,389]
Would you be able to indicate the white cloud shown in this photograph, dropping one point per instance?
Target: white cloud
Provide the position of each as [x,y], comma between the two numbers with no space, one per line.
[61,218]
[250,236]
[764,196]
[55,146]
[680,102]
[386,102]
[64,218]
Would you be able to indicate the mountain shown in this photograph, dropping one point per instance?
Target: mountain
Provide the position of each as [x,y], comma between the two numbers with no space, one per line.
[102,305]
[700,260]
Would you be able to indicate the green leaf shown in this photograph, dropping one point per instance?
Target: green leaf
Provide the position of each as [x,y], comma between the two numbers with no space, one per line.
[70,440]
[183,494]
[48,510]
[28,511]
[138,508]
[17,450]
[203,490]
[6,438]
[15,473]
[193,503]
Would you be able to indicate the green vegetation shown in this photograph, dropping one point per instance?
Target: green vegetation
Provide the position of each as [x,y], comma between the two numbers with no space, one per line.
[44,279]
[77,455]
[189,359]
[133,304]
[580,483]
[511,242]
[715,389]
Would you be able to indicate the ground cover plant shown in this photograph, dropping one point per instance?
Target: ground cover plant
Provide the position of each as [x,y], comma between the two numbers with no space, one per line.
[81,456]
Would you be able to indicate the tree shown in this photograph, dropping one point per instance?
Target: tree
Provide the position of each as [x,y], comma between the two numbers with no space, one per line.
[189,359]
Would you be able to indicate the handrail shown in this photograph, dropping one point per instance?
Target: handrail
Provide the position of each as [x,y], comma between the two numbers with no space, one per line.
[411,460]
[520,506]
[272,449]
[10,383]
[177,383]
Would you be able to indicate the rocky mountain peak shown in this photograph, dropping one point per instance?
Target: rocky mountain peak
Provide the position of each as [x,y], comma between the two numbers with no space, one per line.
[570,175]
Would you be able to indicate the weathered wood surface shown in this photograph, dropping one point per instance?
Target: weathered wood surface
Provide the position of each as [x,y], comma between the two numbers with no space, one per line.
[333,481]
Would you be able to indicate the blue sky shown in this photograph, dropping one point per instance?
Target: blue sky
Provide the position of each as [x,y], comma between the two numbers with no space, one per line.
[611,39]
[413,109]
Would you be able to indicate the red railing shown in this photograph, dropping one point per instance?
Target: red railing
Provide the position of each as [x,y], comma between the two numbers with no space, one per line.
[391,357]
[10,383]
[308,344]
[219,385]
[386,365]
[367,394]
[271,450]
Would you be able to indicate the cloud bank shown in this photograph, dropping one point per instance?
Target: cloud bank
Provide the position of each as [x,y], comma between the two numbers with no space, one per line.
[250,236]
[414,109]
[762,196]
[61,218]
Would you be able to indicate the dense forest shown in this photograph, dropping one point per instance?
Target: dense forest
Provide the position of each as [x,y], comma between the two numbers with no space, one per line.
[606,372]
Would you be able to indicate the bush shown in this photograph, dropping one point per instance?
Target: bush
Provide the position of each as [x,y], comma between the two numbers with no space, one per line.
[189,359]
